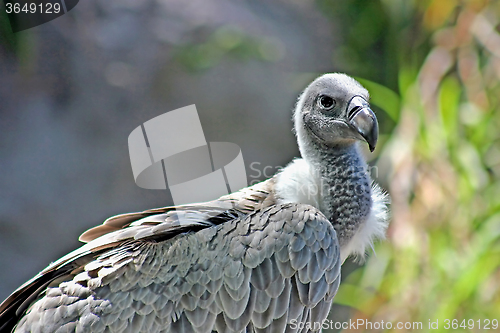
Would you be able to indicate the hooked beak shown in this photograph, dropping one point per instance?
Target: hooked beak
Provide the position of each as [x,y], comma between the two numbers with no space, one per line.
[363,120]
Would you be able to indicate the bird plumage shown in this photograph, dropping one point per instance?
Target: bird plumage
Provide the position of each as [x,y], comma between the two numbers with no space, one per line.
[254,260]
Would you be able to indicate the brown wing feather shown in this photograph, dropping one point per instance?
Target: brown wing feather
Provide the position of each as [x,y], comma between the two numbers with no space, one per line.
[156,224]
[246,200]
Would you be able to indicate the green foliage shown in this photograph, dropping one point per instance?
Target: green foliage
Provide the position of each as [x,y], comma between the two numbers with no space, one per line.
[364,31]
[227,41]
[7,38]
[441,165]
[383,97]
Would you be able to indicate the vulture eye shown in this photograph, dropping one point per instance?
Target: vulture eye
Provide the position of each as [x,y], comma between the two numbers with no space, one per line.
[326,102]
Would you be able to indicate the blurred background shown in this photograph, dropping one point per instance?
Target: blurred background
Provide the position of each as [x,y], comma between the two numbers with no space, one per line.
[72,90]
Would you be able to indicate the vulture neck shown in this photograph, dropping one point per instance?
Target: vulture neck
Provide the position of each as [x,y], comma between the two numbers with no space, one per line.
[334,179]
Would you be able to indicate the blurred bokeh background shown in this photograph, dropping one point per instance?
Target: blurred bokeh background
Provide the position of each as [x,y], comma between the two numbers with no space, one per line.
[73,89]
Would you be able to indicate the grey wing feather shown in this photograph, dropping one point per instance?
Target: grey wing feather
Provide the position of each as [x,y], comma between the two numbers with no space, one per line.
[243,273]
[159,224]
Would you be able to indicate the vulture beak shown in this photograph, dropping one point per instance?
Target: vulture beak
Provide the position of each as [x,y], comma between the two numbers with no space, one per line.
[363,120]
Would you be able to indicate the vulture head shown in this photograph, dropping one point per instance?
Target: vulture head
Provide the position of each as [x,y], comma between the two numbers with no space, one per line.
[333,111]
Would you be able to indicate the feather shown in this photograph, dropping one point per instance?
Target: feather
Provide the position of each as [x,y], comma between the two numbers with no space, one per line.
[250,261]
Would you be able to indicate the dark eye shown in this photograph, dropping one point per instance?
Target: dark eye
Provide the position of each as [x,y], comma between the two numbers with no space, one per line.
[326,102]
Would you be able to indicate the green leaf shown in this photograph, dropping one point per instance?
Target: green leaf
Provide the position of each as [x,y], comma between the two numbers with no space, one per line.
[449,98]
[353,296]
[383,97]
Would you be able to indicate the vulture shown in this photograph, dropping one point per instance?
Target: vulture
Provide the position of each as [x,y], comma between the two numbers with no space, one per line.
[266,258]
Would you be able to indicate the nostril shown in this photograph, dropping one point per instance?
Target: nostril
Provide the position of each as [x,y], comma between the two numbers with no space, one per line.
[353,111]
